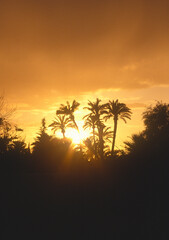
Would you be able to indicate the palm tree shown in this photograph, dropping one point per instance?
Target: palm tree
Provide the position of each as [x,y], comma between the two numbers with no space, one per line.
[97,110]
[107,136]
[117,110]
[61,123]
[89,149]
[90,122]
[69,110]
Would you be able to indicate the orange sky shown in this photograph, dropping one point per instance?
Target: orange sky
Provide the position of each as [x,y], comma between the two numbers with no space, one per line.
[53,51]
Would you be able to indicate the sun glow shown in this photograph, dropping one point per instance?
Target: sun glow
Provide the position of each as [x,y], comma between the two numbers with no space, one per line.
[77,137]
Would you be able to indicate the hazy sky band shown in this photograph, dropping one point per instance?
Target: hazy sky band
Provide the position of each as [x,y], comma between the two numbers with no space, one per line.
[76,46]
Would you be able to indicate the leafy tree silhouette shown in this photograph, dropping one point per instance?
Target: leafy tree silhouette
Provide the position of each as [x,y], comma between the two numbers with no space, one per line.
[7,135]
[116,110]
[5,114]
[136,144]
[154,139]
[5,111]
[156,118]
[19,146]
[49,151]
[6,128]
[61,123]
[42,140]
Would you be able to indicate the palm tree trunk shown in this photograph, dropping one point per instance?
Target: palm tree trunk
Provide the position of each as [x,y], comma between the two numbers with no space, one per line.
[114,136]
[100,130]
[73,120]
[63,132]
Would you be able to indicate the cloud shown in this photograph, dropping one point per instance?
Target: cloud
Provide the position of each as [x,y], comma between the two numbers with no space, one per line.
[66,48]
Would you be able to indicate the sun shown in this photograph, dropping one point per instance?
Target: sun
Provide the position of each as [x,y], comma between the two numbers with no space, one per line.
[77,137]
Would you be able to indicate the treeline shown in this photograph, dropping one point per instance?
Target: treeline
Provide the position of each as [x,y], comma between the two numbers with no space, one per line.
[88,192]
[48,151]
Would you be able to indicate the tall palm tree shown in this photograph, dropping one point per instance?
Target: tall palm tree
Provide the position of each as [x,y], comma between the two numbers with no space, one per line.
[90,122]
[97,110]
[61,123]
[117,110]
[69,110]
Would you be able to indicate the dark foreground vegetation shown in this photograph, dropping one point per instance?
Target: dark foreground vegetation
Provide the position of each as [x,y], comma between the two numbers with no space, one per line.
[58,191]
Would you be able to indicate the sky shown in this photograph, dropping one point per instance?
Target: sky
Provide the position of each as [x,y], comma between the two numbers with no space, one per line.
[54,51]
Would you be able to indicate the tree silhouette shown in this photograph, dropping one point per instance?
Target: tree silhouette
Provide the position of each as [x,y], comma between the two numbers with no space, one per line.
[156,118]
[137,143]
[97,110]
[42,140]
[117,110]
[90,149]
[7,135]
[107,136]
[5,143]
[5,111]
[61,123]
[153,141]
[69,110]
[11,145]
[90,122]
[5,114]
[18,145]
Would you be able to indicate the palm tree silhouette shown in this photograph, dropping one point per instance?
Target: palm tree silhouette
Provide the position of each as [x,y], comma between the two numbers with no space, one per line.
[69,110]
[117,110]
[97,110]
[90,122]
[89,149]
[61,123]
[107,136]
